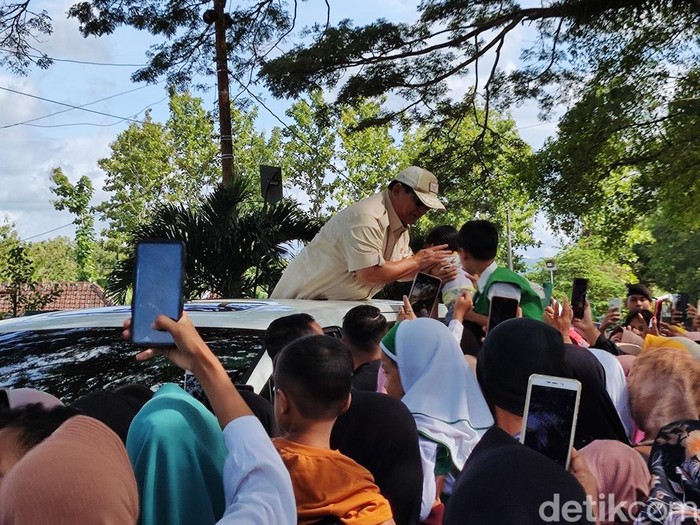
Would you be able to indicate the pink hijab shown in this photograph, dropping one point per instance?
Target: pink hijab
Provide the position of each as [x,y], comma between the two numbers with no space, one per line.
[623,479]
[79,475]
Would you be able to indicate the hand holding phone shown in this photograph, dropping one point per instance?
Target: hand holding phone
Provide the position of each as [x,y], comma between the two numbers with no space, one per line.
[578,297]
[549,418]
[158,290]
[424,293]
[501,309]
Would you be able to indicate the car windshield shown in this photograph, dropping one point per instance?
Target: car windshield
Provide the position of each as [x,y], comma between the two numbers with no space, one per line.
[70,363]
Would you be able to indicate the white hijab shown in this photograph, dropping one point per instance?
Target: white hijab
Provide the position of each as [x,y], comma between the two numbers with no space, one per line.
[616,386]
[441,391]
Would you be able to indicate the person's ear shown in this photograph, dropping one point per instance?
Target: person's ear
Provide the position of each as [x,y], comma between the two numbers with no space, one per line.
[346,405]
[282,401]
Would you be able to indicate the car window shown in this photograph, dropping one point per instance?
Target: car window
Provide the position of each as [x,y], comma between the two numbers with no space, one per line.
[72,362]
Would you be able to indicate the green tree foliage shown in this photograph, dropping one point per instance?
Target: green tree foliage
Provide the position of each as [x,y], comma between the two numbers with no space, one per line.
[309,151]
[370,155]
[671,260]
[251,147]
[54,260]
[75,198]
[20,28]
[606,277]
[253,30]
[152,164]
[233,249]
[476,183]
[26,293]
[572,39]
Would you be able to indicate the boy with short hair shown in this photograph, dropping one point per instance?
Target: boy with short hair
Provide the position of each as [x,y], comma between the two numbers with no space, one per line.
[313,378]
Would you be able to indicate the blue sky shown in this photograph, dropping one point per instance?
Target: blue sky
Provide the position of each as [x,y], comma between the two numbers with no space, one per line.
[75,140]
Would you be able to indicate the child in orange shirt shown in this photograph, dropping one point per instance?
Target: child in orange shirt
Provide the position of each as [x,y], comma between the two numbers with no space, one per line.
[313,377]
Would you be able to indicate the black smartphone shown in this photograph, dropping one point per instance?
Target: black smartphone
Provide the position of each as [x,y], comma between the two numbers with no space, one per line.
[578,297]
[549,418]
[502,309]
[424,292]
[158,289]
[681,308]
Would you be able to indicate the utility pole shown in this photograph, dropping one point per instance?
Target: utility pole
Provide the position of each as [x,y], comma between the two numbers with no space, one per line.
[222,83]
[510,242]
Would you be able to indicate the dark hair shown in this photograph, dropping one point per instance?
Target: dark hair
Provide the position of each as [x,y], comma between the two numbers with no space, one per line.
[34,422]
[479,238]
[316,373]
[286,329]
[364,326]
[445,234]
[646,315]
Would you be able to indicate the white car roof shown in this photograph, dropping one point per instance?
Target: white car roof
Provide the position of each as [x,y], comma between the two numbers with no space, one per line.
[253,314]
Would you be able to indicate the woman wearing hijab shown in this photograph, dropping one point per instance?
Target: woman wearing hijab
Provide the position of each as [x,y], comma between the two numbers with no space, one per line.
[19,397]
[664,386]
[674,497]
[79,475]
[616,386]
[115,408]
[518,348]
[177,451]
[425,368]
[506,483]
[623,480]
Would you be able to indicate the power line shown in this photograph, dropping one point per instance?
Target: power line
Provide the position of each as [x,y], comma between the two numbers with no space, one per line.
[72,61]
[71,109]
[67,105]
[50,231]
[70,124]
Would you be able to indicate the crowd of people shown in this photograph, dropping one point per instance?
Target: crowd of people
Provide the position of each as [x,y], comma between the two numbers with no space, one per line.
[415,422]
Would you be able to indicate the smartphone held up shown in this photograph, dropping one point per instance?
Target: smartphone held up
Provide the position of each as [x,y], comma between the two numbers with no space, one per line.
[578,297]
[549,418]
[424,294]
[158,289]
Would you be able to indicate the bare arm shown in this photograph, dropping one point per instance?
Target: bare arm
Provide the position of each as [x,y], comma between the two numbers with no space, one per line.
[192,353]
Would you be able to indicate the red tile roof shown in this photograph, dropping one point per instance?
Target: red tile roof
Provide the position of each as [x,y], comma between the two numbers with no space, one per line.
[72,296]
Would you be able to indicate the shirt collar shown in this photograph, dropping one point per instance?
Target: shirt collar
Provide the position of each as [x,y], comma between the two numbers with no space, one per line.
[395,224]
[484,277]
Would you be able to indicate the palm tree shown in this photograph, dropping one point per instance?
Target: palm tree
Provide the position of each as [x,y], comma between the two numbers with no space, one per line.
[233,248]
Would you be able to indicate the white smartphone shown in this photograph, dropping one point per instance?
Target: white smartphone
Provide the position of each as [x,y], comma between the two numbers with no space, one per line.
[549,419]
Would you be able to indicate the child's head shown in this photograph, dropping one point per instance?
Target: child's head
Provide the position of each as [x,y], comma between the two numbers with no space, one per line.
[439,235]
[638,319]
[478,241]
[313,376]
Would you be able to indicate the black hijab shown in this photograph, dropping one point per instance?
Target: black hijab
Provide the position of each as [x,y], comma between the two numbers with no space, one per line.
[379,433]
[115,408]
[597,416]
[518,348]
[506,483]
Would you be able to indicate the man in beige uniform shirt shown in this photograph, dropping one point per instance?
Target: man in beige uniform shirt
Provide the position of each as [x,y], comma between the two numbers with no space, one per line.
[365,246]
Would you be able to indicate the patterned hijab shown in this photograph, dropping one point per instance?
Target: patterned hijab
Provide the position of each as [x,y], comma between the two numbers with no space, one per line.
[79,475]
[177,450]
[441,390]
[674,498]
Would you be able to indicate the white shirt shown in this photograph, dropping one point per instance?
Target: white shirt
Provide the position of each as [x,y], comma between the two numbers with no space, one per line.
[257,485]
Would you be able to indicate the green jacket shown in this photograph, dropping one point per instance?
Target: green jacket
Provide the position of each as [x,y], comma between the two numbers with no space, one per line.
[530,301]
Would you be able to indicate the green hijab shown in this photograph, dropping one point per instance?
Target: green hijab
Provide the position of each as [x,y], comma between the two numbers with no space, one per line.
[177,450]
